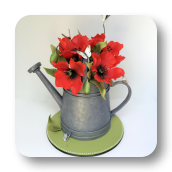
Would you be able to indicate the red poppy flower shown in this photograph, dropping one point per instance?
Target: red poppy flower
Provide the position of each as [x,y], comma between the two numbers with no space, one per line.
[68,47]
[98,38]
[118,59]
[94,40]
[69,77]
[102,37]
[80,42]
[114,47]
[103,67]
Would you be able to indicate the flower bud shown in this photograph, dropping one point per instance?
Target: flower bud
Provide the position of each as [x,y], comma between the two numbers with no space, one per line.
[87,87]
[53,57]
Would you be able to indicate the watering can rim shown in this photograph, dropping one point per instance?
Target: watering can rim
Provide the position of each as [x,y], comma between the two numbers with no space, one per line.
[85,95]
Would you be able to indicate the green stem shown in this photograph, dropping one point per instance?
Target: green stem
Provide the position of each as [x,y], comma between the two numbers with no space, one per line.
[104,28]
[57,47]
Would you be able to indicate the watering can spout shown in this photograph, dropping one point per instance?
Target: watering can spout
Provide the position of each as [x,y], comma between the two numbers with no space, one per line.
[36,69]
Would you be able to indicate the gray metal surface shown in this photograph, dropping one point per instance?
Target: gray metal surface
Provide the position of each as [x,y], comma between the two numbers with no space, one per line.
[83,116]
[85,135]
[85,113]
[34,67]
[126,99]
[49,86]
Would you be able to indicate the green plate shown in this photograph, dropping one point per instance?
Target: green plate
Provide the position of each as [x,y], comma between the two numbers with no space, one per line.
[91,147]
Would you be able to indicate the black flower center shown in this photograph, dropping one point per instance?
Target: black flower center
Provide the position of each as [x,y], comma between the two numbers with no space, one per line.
[101,71]
[109,48]
[75,49]
[71,73]
[76,56]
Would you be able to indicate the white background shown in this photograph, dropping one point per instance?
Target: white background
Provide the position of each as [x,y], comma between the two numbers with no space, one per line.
[34,104]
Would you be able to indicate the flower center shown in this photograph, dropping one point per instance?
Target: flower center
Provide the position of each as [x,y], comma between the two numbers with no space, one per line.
[109,48]
[71,73]
[101,71]
[75,49]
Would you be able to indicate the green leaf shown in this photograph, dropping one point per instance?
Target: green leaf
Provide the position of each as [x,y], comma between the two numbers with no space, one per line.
[53,48]
[53,125]
[79,32]
[61,59]
[50,71]
[53,57]
[89,73]
[56,57]
[58,52]
[93,73]
[89,65]
[98,47]
[86,87]
[111,81]
[100,86]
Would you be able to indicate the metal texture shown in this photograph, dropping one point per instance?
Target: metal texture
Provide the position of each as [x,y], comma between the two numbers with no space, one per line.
[49,86]
[86,135]
[126,99]
[34,67]
[83,116]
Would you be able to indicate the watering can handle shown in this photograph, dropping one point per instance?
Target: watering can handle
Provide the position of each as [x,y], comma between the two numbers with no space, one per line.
[126,99]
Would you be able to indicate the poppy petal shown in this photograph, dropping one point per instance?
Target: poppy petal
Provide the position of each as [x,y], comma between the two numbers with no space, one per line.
[79,41]
[104,49]
[85,45]
[102,37]
[114,73]
[96,61]
[99,79]
[94,42]
[118,59]
[66,44]
[107,59]
[61,65]
[116,47]
[62,45]
[78,67]
[62,80]
[68,54]
[76,85]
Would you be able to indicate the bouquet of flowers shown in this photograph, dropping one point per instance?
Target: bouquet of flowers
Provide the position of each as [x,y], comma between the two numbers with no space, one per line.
[79,61]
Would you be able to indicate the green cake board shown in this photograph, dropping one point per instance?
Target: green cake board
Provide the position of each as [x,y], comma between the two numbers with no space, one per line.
[89,147]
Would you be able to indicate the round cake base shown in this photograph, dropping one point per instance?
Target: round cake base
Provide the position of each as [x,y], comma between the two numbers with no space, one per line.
[89,147]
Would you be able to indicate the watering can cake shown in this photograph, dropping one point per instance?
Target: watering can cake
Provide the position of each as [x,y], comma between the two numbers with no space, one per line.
[85,68]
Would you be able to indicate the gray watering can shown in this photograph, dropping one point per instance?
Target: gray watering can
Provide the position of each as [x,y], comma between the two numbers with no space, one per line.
[83,116]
